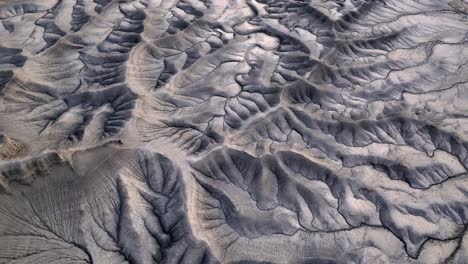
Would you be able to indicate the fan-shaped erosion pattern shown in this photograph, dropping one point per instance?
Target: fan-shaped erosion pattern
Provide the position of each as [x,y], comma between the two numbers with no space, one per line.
[234,131]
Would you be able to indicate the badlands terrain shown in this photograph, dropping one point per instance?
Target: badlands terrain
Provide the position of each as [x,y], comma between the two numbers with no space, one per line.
[234,131]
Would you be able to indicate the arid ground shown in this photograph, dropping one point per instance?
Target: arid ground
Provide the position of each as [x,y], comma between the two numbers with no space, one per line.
[234,131]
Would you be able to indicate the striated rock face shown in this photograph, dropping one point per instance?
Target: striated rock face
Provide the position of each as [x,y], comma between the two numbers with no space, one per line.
[234,131]
[9,148]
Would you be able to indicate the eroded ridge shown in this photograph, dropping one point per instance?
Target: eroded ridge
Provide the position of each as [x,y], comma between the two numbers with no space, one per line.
[240,131]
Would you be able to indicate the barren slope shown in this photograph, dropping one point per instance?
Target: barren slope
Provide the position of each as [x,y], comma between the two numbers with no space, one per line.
[234,131]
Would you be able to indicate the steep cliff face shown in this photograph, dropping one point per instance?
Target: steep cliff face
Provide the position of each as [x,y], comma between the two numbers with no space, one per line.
[233,131]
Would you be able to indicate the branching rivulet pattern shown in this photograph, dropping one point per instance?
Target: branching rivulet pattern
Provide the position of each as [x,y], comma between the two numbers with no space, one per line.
[233,131]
